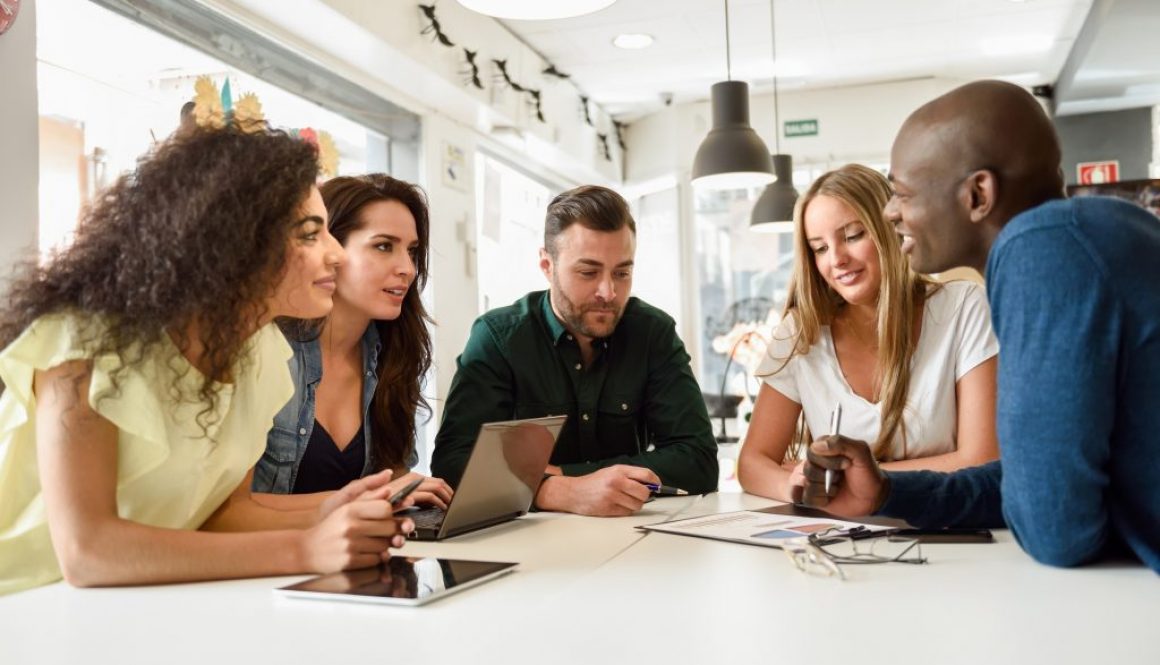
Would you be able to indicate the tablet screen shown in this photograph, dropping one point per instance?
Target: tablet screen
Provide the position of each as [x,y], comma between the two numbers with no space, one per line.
[400,580]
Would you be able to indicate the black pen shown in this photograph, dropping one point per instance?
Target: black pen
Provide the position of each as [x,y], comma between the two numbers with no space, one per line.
[405,492]
[664,490]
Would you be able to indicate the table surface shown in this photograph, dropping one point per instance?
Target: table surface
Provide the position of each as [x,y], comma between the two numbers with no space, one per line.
[593,590]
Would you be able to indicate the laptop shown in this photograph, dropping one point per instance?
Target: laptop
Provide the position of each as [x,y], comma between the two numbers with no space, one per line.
[500,480]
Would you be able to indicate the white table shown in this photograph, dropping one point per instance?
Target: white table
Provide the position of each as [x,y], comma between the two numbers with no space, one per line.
[597,590]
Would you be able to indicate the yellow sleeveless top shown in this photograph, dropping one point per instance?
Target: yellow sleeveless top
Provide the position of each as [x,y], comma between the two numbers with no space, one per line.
[169,472]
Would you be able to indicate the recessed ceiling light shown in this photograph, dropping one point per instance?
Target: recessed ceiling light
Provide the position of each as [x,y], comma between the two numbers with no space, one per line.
[535,10]
[633,40]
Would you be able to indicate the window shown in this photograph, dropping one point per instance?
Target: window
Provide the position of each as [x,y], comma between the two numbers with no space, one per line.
[657,277]
[104,103]
[510,232]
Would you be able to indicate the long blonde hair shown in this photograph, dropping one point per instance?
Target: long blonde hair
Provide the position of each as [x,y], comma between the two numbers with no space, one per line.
[813,304]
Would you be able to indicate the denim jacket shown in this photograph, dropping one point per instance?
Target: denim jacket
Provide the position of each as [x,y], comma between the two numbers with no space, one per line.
[277,470]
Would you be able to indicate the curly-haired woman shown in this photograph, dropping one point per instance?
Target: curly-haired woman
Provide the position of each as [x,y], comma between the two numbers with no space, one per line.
[141,374]
[358,378]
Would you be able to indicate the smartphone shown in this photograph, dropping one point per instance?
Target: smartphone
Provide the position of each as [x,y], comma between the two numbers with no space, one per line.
[944,535]
[398,497]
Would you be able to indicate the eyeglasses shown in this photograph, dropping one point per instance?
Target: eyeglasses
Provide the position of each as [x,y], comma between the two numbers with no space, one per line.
[823,553]
[811,559]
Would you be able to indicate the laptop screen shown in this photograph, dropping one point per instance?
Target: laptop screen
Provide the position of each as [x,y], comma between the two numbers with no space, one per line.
[503,472]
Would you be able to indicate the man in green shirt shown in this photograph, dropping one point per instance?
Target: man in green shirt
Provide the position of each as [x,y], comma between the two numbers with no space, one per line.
[584,348]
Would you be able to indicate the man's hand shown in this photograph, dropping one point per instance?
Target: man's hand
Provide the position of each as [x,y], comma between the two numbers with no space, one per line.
[614,491]
[857,486]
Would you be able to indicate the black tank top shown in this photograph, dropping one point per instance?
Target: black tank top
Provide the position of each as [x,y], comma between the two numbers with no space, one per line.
[324,467]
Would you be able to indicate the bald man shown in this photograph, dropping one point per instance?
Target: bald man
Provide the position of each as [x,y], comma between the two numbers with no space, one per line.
[1074,287]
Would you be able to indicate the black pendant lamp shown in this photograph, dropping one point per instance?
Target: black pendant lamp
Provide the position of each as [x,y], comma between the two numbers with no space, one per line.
[773,212]
[732,156]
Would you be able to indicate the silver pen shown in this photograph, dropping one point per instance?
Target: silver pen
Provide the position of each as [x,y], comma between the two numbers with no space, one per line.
[835,424]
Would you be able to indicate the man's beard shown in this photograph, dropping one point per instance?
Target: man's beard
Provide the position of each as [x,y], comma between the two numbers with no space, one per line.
[573,314]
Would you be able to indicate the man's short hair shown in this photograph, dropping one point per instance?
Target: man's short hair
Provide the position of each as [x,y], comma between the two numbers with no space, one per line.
[592,206]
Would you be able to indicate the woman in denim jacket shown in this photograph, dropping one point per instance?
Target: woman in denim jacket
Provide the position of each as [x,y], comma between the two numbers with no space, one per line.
[358,373]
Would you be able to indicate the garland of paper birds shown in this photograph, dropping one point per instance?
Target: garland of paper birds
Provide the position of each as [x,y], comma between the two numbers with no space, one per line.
[216,108]
[470,74]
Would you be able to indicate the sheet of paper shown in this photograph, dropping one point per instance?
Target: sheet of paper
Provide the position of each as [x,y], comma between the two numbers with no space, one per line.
[755,528]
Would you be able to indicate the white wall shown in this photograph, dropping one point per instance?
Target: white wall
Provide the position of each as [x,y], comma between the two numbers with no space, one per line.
[855,124]
[19,151]
[454,282]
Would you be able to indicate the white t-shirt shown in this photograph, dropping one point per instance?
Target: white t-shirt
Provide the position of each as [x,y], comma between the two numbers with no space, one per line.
[956,336]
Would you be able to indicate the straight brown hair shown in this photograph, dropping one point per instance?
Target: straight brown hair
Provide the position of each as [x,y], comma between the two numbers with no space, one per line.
[405,355]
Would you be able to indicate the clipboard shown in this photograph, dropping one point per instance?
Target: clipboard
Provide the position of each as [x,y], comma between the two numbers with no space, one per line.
[769,527]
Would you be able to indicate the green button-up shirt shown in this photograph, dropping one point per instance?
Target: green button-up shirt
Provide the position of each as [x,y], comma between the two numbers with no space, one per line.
[637,403]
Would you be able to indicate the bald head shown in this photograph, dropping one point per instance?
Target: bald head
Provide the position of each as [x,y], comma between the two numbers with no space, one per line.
[995,126]
[963,165]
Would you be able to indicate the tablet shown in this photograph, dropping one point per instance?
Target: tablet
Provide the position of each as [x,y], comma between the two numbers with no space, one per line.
[399,581]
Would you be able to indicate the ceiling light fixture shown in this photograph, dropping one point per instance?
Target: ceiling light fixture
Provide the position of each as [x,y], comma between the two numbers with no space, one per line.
[535,10]
[732,156]
[633,41]
[773,212]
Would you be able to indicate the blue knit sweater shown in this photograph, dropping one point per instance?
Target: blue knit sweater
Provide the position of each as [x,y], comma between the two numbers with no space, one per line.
[1074,287]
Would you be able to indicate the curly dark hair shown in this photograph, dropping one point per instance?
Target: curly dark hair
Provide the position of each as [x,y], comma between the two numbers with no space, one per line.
[406,341]
[195,238]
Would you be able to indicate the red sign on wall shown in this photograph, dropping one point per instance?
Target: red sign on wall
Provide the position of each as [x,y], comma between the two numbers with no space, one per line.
[1097,173]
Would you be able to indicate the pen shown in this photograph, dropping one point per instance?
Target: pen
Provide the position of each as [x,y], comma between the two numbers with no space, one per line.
[405,492]
[665,490]
[835,424]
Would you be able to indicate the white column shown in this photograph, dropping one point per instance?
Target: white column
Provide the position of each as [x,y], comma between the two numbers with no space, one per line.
[19,142]
[1154,166]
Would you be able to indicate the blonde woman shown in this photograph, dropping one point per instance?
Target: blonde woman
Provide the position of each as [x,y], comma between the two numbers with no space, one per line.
[911,362]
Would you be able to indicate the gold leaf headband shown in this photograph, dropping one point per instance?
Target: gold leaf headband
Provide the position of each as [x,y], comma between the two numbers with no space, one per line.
[215,109]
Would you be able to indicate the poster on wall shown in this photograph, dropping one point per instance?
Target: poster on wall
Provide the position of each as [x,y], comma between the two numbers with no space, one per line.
[1145,193]
[454,167]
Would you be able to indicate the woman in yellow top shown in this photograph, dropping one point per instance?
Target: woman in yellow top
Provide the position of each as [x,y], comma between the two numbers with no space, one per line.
[141,372]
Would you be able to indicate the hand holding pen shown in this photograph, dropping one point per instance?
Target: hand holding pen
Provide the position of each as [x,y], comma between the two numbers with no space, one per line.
[664,490]
[835,426]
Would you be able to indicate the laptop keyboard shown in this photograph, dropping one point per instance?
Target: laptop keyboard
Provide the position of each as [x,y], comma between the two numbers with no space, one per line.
[427,518]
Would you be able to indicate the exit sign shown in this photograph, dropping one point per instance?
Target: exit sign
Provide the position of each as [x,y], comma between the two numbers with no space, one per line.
[801,127]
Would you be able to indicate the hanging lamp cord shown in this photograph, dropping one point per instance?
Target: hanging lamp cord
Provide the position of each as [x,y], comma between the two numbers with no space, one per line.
[773,44]
[728,59]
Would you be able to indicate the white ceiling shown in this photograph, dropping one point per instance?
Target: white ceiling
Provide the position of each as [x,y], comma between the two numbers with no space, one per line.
[1116,60]
[820,43]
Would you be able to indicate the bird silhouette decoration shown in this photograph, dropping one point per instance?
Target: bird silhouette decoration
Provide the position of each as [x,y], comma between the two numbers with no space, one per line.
[471,74]
[552,71]
[537,102]
[434,26]
[619,134]
[501,66]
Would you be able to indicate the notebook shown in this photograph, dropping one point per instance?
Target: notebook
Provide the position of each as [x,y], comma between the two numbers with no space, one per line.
[500,480]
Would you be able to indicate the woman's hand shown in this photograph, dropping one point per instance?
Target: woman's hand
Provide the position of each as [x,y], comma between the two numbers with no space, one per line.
[356,534]
[797,477]
[372,487]
[431,492]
